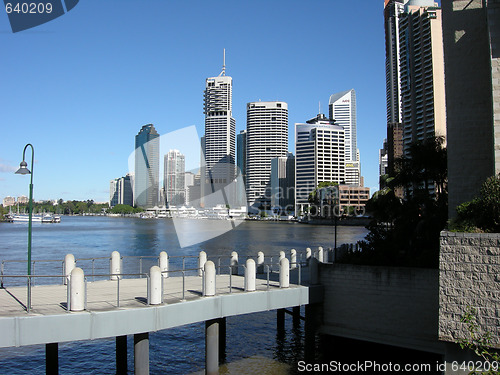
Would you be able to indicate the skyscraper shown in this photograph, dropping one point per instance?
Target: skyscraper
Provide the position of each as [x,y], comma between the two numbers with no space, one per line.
[342,108]
[392,11]
[220,128]
[121,191]
[174,178]
[241,153]
[471,38]
[421,64]
[283,183]
[267,138]
[147,167]
[319,156]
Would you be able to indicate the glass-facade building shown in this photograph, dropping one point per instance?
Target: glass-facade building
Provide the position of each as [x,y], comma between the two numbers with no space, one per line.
[147,167]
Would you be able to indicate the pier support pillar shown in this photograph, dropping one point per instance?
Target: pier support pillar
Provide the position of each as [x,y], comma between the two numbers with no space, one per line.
[296,316]
[52,359]
[313,318]
[212,347]
[121,355]
[222,340]
[280,320]
[141,354]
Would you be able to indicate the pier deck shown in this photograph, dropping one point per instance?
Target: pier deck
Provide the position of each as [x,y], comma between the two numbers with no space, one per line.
[49,321]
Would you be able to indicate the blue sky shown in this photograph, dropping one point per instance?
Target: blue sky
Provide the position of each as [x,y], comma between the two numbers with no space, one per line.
[80,87]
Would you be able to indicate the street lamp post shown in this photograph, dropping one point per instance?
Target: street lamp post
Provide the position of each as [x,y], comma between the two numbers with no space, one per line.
[23,169]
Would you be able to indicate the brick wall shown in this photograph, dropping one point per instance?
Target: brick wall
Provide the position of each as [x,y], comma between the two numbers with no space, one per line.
[469,275]
[389,305]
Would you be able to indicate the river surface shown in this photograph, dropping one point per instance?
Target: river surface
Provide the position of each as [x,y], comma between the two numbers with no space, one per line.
[253,346]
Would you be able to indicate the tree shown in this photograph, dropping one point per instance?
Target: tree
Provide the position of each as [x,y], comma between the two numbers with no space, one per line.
[481,213]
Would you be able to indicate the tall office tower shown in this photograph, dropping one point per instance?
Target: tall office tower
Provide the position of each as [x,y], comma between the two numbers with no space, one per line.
[147,167]
[283,183]
[241,153]
[422,72]
[220,128]
[342,107]
[392,11]
[319,156]
[471,38]
[113,192]
[174,178]
[267,138]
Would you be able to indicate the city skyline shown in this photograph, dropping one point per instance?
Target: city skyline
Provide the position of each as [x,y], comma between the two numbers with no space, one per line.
[61,71]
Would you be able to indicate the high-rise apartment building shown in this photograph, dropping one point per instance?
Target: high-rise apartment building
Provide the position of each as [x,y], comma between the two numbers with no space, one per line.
[342,108]
[147,167]
[174,169]
[392,12]
[283,183]
[319,156]
[267,138]
[120,191]
[421,64]
[220,128]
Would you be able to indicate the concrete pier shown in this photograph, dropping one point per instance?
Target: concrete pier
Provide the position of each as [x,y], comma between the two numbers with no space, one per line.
[212,347]
[141,354]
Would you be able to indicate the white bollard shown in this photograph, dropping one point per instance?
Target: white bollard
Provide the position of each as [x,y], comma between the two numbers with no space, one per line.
[282,255]
[115,266]
[77,290]
[234,263]
[308,254]
[202,259]
[260,262]
[155,280]
[250,275]
[209,280]
[69,265]
[320,254]
[293,259]
[164,263]
[284,273]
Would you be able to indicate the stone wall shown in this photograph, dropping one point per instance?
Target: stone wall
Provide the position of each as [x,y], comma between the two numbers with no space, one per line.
[469,275]
[388,305]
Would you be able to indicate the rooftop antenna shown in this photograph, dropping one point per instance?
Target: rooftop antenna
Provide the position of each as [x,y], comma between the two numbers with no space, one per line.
[223,73]
[319,107]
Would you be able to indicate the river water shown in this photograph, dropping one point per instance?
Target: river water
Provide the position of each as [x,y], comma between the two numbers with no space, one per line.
[253,346]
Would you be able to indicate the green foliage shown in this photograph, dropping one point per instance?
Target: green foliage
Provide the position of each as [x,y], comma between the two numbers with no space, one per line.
[482,214]
[313,196]
[66,208]
[479,343]
[124,209]
[405,232]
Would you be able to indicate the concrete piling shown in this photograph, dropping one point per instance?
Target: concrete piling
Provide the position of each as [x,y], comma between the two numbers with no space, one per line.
[282,255]
[121,355]
[202,259]
[77,290]
[284,273]
[234,263]
[52,358]
[115,265]
[250,275]
[209,281]
[212,347]
[164,263]
[69,265]
[308,254]
[155,289]
[313,271]
[141,354]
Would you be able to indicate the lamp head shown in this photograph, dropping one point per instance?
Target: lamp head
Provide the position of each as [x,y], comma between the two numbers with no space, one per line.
[23,168]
